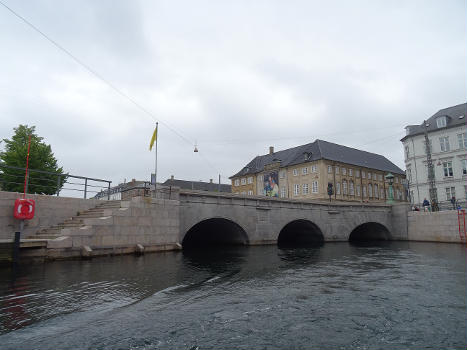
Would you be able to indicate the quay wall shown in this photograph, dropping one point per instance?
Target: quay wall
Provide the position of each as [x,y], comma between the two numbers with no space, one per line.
[50,210]
[441,226]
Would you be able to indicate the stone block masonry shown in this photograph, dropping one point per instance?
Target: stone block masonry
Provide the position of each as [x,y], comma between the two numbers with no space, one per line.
[50,210]
[439,226]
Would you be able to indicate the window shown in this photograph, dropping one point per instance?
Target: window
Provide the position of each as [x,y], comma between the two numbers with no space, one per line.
[464,166]
[304,170]
[351,188]
[406,152]
[305,189]
[338,188]
[295,172]
[462,139]
[374,176]
[450,192]
[441,122]
[363,174]
[396,179]
[376,191]
[250,192]
[237,182]
[243,181]
[250,180]
[444,143]
[313,168]
[314,187]
[364,191]
[296,190]
[243,193]
[382,194]
[358,190]
[283,192]
[260,178]
[350,172]
[357,173]
[344,187]
[370,191]
[329,169]
[344,171]
[282,174]
[369,176]
[380,177]
[447,168]
[337,170]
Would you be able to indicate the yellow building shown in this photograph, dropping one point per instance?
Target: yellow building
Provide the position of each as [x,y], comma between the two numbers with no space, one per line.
[307,171]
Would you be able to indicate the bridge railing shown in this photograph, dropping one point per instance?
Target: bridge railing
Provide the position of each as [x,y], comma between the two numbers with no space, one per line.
[12,178]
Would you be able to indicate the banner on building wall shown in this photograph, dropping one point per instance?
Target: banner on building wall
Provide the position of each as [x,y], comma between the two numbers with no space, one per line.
[271,184]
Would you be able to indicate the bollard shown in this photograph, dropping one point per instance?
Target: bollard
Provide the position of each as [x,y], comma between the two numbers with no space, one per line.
[16,247]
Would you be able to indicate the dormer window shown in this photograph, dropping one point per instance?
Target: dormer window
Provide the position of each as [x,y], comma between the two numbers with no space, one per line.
[441,122]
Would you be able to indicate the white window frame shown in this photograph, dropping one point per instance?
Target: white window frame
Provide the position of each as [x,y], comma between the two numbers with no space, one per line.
[295,172]
[374,176]
[350,172]
[441,122]
[237,182]
[338,188]
[396,179]
[282,174]
[337,169]
[329,169]
[351,188]
[363,174]
[305,170]
[313,169]
[364,191]
[368,176]
[314,187]
[344,171]
[296,189]
[358,190]
[357,173]
[344,188]
[250,192]
[370,191]
[243,181]
[305,189]
[283,192]
[444,144]
[450,192]
[380,177]
[249,180]
[447,169]
[464,166]
[376,190]
[462,140]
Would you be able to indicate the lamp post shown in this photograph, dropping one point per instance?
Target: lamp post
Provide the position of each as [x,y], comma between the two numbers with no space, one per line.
[390,178]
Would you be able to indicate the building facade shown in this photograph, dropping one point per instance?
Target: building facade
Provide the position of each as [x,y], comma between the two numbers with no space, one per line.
[447,135]
[305,172]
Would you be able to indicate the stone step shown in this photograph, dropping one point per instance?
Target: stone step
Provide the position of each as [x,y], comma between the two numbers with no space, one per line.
[47,236]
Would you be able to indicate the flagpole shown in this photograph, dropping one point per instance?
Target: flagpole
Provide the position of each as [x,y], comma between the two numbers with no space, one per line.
[155,167]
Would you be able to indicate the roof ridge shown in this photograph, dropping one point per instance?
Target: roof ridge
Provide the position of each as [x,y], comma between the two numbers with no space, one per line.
[356,149]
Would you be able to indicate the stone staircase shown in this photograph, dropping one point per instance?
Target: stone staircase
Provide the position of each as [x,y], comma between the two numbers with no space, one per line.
[102,210]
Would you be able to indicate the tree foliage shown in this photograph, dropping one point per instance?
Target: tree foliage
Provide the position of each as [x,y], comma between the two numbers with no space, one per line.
[41,158]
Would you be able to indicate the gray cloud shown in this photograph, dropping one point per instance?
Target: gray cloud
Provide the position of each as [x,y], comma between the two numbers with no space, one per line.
[234,77]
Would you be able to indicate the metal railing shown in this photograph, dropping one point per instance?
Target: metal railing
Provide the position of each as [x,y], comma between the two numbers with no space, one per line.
[50,183]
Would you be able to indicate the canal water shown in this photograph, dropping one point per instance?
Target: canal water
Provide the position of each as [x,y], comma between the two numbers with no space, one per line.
[398,295]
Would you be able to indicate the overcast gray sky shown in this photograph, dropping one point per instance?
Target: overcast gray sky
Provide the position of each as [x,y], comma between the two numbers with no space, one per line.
[232,76]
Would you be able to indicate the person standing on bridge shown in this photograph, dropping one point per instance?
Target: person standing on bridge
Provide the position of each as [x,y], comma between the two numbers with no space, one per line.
[426,205]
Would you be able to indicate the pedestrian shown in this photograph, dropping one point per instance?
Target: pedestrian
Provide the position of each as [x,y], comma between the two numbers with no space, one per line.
[426,204]
[453,202]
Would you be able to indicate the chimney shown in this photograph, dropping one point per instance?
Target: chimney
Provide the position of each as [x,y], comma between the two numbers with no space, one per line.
[271,149]
[171,177]
[210,181]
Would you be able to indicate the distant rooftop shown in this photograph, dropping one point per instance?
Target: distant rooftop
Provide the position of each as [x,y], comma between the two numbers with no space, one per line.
[455,116]
[197,185]
[316,150]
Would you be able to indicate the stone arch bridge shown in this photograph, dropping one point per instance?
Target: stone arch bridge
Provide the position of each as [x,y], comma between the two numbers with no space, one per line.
[223,218]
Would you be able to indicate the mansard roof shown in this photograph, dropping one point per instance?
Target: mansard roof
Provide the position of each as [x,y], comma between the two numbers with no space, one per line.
[453,119]
[320,150]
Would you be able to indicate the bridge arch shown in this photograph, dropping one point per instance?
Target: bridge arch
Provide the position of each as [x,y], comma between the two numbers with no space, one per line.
[370,231]
[214,232]
[300,232]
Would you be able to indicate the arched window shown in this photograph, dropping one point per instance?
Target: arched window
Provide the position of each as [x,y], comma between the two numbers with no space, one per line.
[351,189]
[344,187]
[370,191]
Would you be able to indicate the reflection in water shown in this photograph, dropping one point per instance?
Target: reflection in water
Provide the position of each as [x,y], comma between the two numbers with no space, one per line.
[378,296]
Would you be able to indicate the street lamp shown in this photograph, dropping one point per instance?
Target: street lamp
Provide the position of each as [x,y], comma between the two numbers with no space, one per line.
[390,178]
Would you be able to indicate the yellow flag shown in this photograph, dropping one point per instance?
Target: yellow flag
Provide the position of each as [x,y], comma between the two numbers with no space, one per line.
[154,137]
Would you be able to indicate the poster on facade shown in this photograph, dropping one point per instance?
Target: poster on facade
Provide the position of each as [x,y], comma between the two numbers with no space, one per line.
[271,184]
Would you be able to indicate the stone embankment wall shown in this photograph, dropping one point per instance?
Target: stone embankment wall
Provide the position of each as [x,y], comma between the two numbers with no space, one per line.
[439,226]
[50,210]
